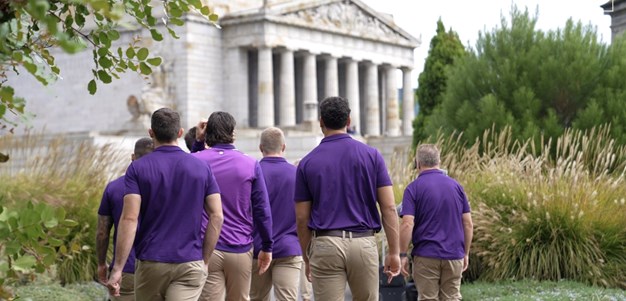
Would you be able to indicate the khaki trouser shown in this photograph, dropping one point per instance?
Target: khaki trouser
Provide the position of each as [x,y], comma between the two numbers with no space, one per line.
[127,288]
[306,289]
[437,279]
[335,260]
[283,274]
[229,273]
[169,281]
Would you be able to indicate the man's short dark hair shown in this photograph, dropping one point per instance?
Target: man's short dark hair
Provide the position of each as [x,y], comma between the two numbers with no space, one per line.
[190,137]
[165,124]
[220,129]
[334,112]
[143,147]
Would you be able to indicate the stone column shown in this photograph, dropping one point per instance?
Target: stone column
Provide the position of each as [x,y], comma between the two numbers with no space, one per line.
[393,118]
[309,88]
[352,93]
[287,107]
[265,89]
[372,109]
[408,103]
[331,86]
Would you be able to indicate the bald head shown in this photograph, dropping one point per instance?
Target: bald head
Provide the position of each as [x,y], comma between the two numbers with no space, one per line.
[272,142]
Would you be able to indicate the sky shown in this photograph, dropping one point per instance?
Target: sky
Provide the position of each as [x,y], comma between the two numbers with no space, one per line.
[467,18]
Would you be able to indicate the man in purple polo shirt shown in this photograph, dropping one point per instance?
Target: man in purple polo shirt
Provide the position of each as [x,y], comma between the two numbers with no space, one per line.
[109,215]
[280,178]
[246,208]
[436,211]
[168,191]
[338,185]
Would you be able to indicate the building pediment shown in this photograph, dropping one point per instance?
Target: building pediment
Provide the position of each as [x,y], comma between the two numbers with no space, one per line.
[348,17]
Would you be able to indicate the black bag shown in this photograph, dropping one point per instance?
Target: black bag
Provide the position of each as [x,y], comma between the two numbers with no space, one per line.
[393,291]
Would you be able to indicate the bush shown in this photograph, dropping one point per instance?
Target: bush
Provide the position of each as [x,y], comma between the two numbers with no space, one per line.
[63,173]
[546,211]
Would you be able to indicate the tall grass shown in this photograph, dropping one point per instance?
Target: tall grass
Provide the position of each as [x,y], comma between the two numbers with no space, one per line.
[63,172]
[546,210]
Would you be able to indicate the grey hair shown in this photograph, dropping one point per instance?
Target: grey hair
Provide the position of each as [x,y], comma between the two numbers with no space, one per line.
[428,155]
[272,140]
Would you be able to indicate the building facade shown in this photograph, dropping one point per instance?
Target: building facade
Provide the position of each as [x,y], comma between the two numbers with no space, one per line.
[617,10]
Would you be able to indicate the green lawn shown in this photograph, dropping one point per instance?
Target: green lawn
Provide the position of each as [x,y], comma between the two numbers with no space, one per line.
[533,290]
[479,291]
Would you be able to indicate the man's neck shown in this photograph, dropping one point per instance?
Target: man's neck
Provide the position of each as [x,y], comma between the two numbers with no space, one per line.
[328,132]
[423,169]
[272,155]
[159,144]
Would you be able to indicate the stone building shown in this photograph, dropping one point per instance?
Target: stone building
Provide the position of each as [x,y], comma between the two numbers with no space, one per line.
[617,10]
[269,64]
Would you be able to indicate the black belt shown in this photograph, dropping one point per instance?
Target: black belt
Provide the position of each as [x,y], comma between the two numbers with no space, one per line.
[343,233]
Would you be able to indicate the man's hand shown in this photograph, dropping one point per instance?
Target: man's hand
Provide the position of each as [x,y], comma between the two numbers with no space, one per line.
[114,282]
[200,130]
[307,271]
[405,266]
[392,266]
[102,274]
[465,262]
[264,261]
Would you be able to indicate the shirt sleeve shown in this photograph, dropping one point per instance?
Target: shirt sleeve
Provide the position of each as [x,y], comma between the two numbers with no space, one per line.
[382,175]
[211,185]
[261,211]
[197,146]
[105,204]
[131,181]
[302,192]
[408,202]
[465,203]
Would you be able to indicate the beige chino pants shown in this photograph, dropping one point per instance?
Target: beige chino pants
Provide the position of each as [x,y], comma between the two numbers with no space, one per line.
[306,289]
[335,261]
[229,277]
[283,274]
[437,279]
[158,281]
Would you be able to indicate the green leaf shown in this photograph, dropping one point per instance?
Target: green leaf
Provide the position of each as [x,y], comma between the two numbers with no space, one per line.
[30,67]
[142,54]
[54,242]
[18,56]
[6,94]
[205,10]
[177,21]
[104,77]
[120,53]
[3,110]
[176,12]
[105,62]
[91,87]
[80,19]
[213,17]
[114,35]
[25,262]
[156,35]
[130,52]
[102,51]
[196,3]
[70,223]
[155,61]
[151,20]
[145,69]
[172,33]
[55,69]
[104,39]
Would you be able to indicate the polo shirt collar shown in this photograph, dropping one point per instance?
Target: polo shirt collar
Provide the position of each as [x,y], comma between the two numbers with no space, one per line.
[431,171]
[335,137]
[224,146]
[168,148]
[273,159]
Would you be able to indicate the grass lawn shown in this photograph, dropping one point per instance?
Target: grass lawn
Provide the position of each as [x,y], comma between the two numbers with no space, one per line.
[534,290]
[478,291]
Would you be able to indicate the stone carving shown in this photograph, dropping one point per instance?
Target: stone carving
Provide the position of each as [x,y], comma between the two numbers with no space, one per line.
[345,17]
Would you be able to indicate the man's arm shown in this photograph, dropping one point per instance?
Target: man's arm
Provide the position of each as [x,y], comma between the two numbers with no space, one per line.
[262,217]
[126,231]
[468,231]
[406,229]
[105,223]
[390,224]
[303,214]
[213,208]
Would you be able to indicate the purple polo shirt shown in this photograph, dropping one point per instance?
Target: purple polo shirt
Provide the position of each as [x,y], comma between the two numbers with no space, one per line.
[173,186]
[341,177]
[280,178]
[111,205]
[438,203]
[244,198]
